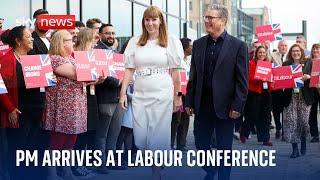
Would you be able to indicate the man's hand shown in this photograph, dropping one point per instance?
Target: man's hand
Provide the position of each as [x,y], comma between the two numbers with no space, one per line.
[189,111]
[234,114]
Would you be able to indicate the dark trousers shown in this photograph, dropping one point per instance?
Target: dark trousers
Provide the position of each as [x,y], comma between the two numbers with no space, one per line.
[179,129]
[206,121]
[258,111]
[109,126]
[277,108]
[125,138]
[29,136]
[313,119]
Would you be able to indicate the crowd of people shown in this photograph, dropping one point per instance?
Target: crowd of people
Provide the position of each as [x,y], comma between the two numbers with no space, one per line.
[146,109]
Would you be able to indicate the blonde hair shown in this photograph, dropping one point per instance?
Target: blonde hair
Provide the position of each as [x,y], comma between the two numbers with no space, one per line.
[57,42]
[154,12]
[84,39]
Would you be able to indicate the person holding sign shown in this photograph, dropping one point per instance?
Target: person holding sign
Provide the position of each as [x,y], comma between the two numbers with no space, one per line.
[258,106]
[313,119]
[66,103]
[21,108]
[297,104]
[156,94]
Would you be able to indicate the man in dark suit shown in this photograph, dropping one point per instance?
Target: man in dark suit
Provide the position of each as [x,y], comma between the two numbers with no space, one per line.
[40,42]
[218,85]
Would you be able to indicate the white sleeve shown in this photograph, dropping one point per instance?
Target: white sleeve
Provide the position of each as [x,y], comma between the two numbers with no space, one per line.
[175,52]
[129,53]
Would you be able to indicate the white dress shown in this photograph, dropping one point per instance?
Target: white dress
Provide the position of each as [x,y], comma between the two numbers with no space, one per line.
[152,101]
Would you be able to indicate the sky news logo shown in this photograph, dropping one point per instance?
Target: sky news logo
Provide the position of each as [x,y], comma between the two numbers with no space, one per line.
[46,22]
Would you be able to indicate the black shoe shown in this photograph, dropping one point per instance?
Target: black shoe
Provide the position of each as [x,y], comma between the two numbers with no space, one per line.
[314,140]
[295,151]
[278,134]
[102,170]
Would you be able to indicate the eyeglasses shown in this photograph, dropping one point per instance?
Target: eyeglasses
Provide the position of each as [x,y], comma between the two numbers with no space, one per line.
[109,33]
[209,18]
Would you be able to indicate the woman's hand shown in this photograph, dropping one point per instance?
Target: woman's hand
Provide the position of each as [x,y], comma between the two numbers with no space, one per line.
[14,116]
[123,101]
[306,77]
[177,103]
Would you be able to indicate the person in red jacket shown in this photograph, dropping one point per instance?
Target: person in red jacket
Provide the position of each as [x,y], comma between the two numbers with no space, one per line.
[258,106]
[21,108]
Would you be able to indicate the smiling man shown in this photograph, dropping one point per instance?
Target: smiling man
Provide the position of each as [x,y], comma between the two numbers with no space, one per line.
[217,87]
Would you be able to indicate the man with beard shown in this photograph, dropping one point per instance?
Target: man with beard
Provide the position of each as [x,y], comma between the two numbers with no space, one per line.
[40,44]
[107,37]
[110,114]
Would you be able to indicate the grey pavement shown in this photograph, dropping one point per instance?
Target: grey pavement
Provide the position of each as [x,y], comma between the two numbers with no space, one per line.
[302,168]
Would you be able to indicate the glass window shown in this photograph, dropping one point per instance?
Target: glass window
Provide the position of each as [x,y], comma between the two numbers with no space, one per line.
[173,26]
[57,6]
[138,15]
[146,2]
[75,8]
[98,9]
[121,17]
[183,27]
[190,5]
[173,7]
[36,4]
[183,9]
[160,3]
[20,16]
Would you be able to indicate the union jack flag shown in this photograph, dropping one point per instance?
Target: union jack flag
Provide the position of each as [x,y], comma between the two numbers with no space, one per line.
[112,71]
[91,56]
[296,71]
[276,32]
[275,65]
[50,80]
[45,60]
[94,74]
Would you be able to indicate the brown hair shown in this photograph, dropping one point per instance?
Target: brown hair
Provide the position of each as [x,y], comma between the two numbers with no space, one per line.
[256,52]
[317,45]
[92,21]
[57,42]
[289,57]
[154,12]
[84,39]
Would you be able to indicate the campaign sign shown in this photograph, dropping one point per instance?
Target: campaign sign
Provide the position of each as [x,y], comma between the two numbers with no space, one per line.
[116,66]
[184,81]
[315,73]
[3,88]
[37,71]
[287,77]
[263,71]
[271,32]
[85,66]
[101,61]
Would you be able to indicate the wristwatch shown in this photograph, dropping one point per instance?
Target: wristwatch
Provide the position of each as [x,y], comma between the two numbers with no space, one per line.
[179,93]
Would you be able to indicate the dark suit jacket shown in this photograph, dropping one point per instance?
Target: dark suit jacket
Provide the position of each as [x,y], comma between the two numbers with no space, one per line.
[230,76]
[308,93]
[38,45]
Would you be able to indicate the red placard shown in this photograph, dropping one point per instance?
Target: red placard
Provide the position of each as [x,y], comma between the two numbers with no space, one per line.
[37,71]
[315,73]
[271,32]
[101,61]
[287,77]
[184,82]
[116,66]
[85,66]
[263,71]
[3,88]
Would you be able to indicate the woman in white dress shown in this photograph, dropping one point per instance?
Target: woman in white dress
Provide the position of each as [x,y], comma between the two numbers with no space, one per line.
[156,94]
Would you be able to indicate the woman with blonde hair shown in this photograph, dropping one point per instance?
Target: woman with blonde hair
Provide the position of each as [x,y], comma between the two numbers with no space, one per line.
[297,104]
[66,103]
[156,94]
